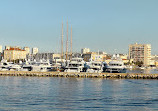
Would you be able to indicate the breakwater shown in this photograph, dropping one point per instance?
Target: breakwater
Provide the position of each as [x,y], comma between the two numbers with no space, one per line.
[80,74]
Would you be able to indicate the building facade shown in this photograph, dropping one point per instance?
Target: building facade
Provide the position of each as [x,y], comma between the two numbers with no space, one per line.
[141,53]
[14,54]
[27,49]
[93,56]
[34,50]
[1,52]
[1,49]
[7,47]
[41,56]
[85,50]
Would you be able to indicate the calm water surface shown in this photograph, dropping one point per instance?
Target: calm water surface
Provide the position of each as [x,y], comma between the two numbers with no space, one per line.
[44,94]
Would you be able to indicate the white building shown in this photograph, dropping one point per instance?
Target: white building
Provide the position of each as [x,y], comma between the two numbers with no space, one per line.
[34,50]
[85,50]
[0,48]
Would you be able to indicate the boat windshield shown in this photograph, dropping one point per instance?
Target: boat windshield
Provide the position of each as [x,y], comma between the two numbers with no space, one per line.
[75,65]
[95,64]
[116,64]
[78,60]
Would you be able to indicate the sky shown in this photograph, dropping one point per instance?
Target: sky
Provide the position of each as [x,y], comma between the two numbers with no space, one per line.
[104,25]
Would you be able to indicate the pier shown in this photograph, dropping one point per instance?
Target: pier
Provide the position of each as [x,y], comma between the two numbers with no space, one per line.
[80,74]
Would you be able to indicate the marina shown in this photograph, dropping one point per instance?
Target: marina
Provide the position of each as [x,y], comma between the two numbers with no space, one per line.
[84,55]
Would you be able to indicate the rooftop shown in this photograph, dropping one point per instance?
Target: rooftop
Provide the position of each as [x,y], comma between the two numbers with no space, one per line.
[16,49]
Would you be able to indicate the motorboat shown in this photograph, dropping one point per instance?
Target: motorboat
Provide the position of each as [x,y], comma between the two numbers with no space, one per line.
[95,66]
[15,67]
[75,65]
[42,66]
[4,65]
[27,65]
[59,65]
[116,65]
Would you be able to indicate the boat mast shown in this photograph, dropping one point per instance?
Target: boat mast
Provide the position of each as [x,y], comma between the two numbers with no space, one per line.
[62,43]
[67,43]
[71,42]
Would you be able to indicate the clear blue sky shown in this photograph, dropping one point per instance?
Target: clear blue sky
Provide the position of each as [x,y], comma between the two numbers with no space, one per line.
[103,25]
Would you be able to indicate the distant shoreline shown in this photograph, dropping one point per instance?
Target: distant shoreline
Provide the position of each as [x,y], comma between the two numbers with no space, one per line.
[80,75]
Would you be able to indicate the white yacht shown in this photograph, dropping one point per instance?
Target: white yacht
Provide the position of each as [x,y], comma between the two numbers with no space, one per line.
[42,66]
[27,65]
[15,67]
[75,65]
[116,65]
[4,65]
[58,65]
[95,66]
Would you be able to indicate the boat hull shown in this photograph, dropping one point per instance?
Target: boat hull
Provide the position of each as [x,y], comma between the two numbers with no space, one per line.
[115,70]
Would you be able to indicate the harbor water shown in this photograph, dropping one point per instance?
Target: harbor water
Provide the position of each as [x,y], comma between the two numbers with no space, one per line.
[60,93]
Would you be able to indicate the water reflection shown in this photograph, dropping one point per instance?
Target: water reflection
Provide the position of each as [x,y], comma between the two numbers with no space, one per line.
[44,93]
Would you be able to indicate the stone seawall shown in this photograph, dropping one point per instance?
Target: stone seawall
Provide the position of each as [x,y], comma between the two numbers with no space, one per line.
[80,74]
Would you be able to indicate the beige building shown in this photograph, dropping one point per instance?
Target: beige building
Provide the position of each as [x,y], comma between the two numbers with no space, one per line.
[56,56]
[27,49]
[123,56]
[94,57]
[85,50]
[7,47]
[14,54]
[140,52]
[156,63]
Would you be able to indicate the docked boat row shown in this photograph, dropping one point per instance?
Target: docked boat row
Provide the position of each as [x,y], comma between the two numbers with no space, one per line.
[73,65]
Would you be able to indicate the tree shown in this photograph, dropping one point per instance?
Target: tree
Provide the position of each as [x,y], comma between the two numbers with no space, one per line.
[139,63]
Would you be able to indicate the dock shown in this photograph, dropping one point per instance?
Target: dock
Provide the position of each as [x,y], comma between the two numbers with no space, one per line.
[80,75]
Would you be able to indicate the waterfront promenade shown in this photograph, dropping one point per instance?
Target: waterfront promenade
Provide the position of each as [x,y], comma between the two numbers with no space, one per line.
[80,74]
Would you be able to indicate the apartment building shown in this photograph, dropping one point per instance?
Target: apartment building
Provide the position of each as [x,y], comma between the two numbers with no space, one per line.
[13,53]
[140,52]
